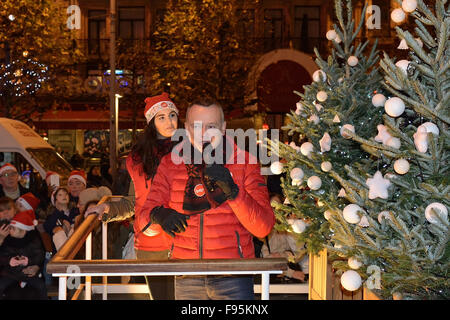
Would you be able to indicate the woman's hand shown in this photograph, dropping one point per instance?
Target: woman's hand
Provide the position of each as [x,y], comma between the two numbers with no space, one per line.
[99,210]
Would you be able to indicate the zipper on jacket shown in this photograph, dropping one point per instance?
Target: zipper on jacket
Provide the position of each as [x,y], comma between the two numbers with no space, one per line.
[239,245]
[201,236]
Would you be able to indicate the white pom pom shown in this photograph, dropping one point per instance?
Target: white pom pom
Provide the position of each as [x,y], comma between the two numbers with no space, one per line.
[439,210]
[393,142]
[322,96]
[409,5]
[297,174]
[306,148]
[401,166]
[398,15]
[354,263]
[326,166]
[352,61]
[348,127]
[394,107]
[403,65]
[314,183]
[35,222]
[350,213]
[351,280]
[331,35]
[276,167]
[319,75]
[378,100]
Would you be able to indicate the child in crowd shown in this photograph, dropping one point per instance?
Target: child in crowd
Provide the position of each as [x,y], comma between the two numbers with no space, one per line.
[27,201]
[21,259]
[60,223]
[7,212]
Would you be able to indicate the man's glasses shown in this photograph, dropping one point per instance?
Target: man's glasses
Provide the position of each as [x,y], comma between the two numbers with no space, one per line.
[11,174]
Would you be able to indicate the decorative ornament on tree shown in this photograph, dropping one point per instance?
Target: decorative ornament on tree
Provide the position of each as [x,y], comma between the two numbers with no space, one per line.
[325,142]
[352,61]
[378,186]
[383,215]
[319,107]
[383,134]
[378,100]
[398,15]
[297,174]
[351,280]
[342,193]
[326,166]
[409,5]
[336,119]
[331,35]
[403,65]
[403,45]
[350,213]
[276,167]
[322,96]
[299,108]
[314,118]
[306,148]
[348,127]
[298,225]
[319,75]
[327,214]
[393,142]
[354,263]
[401,166]
[434,211]
[421,139]
[394,107]
[430,127]
[364,223]
[314,183]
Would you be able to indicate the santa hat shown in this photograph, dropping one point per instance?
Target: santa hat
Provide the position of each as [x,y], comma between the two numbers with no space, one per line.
[6,167]
[24,220]
[29,201]
[155,104]
[50,173]
[77,174]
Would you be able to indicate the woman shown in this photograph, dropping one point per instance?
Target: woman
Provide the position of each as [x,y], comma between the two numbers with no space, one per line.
[155,142]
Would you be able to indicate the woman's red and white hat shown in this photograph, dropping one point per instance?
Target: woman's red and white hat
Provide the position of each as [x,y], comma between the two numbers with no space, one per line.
[155,104]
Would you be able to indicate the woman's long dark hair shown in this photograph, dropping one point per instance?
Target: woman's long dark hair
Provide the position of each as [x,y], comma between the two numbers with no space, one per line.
[149,150]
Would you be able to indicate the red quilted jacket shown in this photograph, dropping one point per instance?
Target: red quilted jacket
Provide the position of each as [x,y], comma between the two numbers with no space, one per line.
[224,232]
[159,240]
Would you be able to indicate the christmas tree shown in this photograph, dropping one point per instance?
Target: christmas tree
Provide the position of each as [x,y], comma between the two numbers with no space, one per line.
[394,228]
[345,94]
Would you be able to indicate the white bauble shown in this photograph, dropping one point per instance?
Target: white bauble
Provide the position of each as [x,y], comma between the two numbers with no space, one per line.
[430,127]
[276,167]
[327,214]
[306,148]
[393,142]
[331,35]
[352,61]
[314,182]
[326,166]
[383,215]
[401,166]
[350,213]
[319,75]
[351,280]
[297,174]
[409,5]
[298,225]
[322,96]
[439,210]
[398,15]
[394,107]
[378,100]
[348,127]
[337,39]
[403,64]
[354,263]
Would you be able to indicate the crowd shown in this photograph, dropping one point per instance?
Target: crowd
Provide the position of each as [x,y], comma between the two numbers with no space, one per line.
[187,210]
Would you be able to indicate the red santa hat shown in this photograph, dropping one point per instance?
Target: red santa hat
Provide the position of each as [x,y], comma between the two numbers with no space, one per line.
[24,220]
[155,104]
[6,167]
[77,174]
[29,201]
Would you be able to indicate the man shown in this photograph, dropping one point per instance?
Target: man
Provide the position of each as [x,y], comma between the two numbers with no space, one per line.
[9,182]
[211,210]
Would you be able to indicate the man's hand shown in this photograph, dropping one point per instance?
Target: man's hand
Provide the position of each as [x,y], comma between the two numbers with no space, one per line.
[217,175]
[99,210]
[31,271]
[170,220]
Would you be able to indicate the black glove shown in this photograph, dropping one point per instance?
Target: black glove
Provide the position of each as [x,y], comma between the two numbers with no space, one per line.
[170,220]
[216,175]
